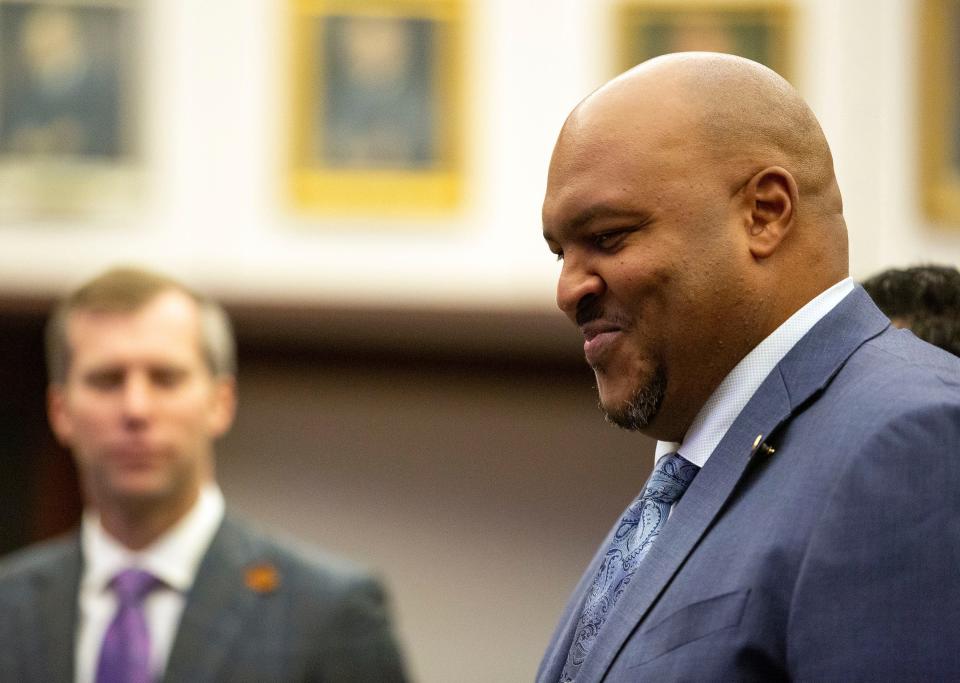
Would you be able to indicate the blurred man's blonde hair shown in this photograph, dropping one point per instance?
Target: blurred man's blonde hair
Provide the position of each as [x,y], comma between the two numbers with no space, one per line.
[126,290]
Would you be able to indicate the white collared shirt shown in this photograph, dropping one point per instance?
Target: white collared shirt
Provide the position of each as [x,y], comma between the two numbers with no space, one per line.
[173,558]
[729,398]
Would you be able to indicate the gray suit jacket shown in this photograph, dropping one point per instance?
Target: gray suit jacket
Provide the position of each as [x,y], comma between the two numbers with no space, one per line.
[318,623]
[834,558]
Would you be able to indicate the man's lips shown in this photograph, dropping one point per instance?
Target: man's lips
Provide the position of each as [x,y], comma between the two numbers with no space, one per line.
[598,337]
[133,453]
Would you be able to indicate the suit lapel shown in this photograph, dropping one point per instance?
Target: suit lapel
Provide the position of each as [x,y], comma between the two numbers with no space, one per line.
[217,606]
[51,631]
[806,369]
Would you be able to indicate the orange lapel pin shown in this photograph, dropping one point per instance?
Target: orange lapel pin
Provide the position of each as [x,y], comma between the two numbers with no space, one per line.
[262,578]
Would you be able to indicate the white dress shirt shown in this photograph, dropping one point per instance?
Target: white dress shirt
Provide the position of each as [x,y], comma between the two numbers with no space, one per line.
[173,558]
[729,398]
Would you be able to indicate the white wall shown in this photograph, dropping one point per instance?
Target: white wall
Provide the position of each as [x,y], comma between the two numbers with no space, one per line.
[861,77]
[213,210]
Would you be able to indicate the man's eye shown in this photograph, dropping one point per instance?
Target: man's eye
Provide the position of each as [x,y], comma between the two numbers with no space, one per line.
[605,240]
[167,377]
[105,379]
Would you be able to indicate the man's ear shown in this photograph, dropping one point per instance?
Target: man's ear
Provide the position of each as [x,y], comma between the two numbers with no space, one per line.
[771,198]
[57,414]
[223,406]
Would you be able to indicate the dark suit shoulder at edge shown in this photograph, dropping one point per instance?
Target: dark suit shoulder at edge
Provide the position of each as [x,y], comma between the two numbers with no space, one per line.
[39,556]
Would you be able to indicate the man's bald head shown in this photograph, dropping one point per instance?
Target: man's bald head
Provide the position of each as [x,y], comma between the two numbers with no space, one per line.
[694,205]
[741,113]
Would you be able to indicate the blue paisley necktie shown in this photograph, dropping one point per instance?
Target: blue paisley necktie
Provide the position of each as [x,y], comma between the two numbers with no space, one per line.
[641,524]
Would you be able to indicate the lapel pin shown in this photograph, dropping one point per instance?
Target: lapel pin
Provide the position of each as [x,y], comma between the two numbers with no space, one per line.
[759,446]
[262,578]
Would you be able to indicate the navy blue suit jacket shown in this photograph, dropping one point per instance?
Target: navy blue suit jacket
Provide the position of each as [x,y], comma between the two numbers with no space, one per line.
[834,558]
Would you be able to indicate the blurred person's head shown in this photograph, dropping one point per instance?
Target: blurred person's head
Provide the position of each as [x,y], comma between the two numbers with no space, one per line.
[377,49]
[693,203]
[141,385]
[52,45]
[923,299]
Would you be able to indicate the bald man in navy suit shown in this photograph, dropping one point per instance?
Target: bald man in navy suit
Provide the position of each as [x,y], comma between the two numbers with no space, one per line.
[803,517]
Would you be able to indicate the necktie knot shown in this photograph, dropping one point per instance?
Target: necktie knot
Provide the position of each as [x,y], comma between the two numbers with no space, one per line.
[670,479]
[132,585]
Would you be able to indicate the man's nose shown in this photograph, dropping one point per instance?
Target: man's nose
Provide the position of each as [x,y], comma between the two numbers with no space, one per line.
[577,280]
[137,398]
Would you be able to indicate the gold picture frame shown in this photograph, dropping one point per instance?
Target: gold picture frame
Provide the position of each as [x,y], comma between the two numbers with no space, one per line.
[70,139]
[760,30]
[377,106]
[939,134]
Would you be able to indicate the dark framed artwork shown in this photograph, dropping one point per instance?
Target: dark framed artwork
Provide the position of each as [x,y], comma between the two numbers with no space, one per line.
[758,30]
[377,115]
[68,107]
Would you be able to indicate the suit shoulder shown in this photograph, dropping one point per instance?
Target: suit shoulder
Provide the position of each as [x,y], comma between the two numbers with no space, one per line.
[899,354]
[333,611]
[897,373]
[21,565]
[304,564]
[895,396]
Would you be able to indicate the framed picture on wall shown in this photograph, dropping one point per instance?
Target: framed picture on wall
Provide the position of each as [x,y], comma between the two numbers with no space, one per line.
[939,134]
[68,108]
[377,111]
[756,29]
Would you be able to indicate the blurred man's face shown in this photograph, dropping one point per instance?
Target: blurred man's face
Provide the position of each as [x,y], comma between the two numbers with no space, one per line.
[139,408]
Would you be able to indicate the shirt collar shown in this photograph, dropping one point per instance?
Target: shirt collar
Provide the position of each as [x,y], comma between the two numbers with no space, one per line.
[173,558]
[729,398]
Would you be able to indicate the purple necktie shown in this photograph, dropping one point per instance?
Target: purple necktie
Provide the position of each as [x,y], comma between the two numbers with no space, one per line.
[125,654]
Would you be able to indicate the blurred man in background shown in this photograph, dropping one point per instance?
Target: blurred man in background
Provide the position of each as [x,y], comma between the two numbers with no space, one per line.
[922,299]
[159,583]
[803,517]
